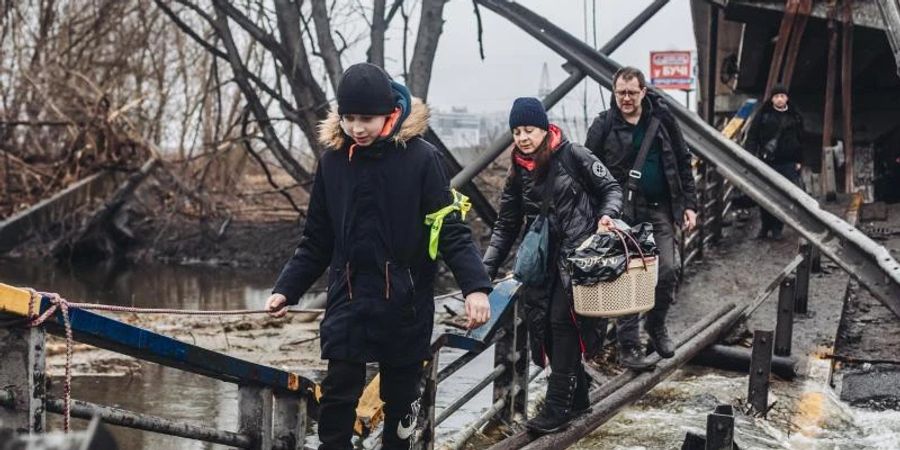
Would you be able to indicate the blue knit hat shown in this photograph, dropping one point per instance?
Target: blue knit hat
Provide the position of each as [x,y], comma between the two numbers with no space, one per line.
[528,111]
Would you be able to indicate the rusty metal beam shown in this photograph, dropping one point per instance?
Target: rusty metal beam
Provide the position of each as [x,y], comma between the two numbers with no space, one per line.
[784,35]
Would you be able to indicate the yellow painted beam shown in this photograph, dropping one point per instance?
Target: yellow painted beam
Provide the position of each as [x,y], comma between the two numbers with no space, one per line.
[14,300]
[370,411]
[733,127]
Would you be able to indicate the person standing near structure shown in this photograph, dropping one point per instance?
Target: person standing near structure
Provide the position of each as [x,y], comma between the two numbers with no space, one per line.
[366,223]
[775,137]
[659,189]
[556,182]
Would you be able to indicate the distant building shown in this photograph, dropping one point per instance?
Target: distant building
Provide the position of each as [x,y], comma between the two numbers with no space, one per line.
[457,128]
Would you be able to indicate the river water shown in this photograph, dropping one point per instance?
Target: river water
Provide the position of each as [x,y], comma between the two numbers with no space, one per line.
[807,413]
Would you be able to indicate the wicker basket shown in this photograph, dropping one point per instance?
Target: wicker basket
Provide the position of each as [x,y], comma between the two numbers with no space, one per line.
[632,292]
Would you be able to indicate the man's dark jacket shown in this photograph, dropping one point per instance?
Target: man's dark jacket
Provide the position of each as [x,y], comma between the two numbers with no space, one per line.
[785,127]
[612,143]
[366,224]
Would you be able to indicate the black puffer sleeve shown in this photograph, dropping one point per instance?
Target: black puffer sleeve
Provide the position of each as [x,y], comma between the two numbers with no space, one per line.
[313,254]
[507,227]
[599,181]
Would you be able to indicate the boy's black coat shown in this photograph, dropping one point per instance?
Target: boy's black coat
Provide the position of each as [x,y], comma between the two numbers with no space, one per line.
[365,223]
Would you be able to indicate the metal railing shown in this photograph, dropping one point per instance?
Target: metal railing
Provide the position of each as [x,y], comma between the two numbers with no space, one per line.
[272,404]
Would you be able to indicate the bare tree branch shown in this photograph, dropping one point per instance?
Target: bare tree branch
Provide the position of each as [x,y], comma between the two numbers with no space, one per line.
[431,25]
[376,34]
[288,162]
[262,36]
[303,84]
[248,146]
[390,15]
[331,56]
[184,27]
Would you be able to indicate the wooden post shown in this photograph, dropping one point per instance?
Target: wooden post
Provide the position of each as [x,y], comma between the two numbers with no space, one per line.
[23,354]
[718,207]
[847,93]
[289,422]
[720,429]
[784,328]
[827,173]
[704,212]
[712,53]
[512,351]
[801,289]
[255,415]
[426,440]
[760,367]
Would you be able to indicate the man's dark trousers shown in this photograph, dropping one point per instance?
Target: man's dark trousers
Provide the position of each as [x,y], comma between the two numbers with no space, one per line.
[660,215]
[770,222]
[341,389]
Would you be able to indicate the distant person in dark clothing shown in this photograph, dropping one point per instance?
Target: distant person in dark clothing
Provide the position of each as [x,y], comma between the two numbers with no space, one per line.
[665,195]
[774,137]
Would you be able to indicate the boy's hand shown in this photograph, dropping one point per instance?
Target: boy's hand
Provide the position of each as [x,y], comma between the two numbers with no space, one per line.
[277,305]
[478,310]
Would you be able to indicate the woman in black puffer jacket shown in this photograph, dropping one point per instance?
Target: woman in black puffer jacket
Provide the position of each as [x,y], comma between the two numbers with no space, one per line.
[583,193]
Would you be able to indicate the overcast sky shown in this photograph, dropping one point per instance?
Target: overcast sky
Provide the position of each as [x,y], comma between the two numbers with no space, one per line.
[513,59]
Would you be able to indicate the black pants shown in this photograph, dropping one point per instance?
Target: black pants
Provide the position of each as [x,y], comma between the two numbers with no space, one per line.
[565,356]
[341,389]
[770,222]
[660,216]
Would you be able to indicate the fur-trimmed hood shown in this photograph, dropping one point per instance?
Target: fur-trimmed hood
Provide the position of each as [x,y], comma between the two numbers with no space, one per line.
[415,123]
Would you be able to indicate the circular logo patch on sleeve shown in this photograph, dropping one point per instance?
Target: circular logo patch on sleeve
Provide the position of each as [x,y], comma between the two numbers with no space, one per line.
[598,169]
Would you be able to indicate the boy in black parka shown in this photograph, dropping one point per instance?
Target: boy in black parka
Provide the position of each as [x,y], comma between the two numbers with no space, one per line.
[366,224]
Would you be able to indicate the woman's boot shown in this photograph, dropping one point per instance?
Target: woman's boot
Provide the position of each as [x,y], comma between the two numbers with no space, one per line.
[556,413]
[581,402]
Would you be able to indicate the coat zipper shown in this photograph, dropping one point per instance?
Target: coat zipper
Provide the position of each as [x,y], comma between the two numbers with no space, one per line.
[349,282]
[387,280]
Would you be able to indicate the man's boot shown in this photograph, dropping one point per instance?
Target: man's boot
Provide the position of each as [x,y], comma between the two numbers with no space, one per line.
[556,414]
[631,357]
[659,337]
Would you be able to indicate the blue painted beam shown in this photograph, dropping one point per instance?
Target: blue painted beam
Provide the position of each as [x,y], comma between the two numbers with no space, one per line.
[106,333]
[501,299]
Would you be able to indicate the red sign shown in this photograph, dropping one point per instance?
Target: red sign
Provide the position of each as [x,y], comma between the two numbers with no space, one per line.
[671,70]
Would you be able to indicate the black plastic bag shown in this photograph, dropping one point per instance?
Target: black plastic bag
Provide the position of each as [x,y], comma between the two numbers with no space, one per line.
[603,256]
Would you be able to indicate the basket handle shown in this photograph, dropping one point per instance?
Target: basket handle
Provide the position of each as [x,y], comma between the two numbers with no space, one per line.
[604,229]
[622,235]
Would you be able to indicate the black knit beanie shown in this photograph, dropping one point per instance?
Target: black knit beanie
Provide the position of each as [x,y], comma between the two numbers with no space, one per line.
[528,111]
[365,89]
[779,89]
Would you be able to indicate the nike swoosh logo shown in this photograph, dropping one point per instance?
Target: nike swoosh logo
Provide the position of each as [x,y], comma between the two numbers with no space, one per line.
[404,432]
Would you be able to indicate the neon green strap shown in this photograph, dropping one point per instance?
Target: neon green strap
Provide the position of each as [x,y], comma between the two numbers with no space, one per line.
[436,219]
